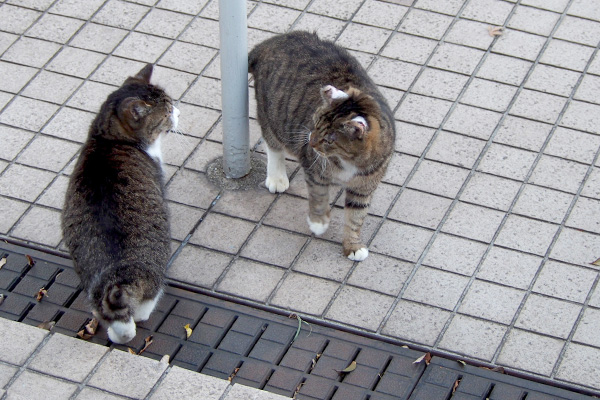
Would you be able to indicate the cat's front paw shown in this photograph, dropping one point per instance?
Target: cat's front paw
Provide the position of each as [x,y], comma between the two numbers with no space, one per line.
[357,252]
[121,332]
[318,228]
[277,184]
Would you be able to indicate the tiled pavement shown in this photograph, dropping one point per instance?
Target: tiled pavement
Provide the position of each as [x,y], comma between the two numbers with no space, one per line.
[483,232]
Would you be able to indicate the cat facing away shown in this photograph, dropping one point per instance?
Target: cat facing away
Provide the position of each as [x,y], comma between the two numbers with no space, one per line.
[115,221]
[316,101]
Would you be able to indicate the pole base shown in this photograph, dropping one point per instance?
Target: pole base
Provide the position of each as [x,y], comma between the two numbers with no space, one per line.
[256,176]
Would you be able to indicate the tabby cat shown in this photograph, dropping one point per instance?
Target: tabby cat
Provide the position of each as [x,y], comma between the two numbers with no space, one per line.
[317,102]
[115,220]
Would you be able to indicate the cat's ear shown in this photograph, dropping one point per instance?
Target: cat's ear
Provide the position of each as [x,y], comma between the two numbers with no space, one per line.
[117,297]
[359,127]
[331,93]
[145,73]
[133,109]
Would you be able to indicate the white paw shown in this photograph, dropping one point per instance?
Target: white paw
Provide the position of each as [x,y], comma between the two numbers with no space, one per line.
[359,254]
[317,228]
[121,332]
[142,313]
[277,184]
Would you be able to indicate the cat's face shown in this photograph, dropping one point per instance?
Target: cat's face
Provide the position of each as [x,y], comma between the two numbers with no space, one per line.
[341,123]
[144,110]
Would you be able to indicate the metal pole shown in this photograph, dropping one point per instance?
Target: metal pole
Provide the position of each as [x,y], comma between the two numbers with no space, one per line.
[234,87]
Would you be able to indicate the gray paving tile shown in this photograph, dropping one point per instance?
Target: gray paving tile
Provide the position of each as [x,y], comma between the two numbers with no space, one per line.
[393,73]
[205,92]
[490,191]
[519,44]
[538,106]
[425,23]
[437,178]
[472,121]
[75,62]
[549,316]
[573,145]
[11,211]
[552,80]
[567,55]
[67,358]
[31,52]
[454,254]
[456,149]
[86,38]
[6,40]
[473,222]
[327,28]
[115,70]
[196,121]
[94,394]
[579,30]
[560,174]
[539,356]
[183,219]
[185,384]
[344,9]
[582,116]
[420,208]
[90,96]
[82,10]
[381,274]
[360,307]
[142,47]
[491,302]
[449,288]
[304,294]
[191,188]
[70,124]
[4,99]
[509,267]
[469,33]
[363,38]
[119,369]
[376,13]
[576,247]
[55,28]
[198,266]
[16,76]
[18,341]
[249,205]
[399,168]
[18,113]
[250,280]
[441,84]
[504,69]
[260,247]
[416,322]
[30,385]
[272,18]
[456,58]
[6,373]
[174,82]
[240,392]
[546,204]
[13,141]
[507,162]
[187,57]
[40,225]
[473,337]
[584,215]
[587,328]
[23,182]
[579,365]
[585,8]
[120,14]
[489,11]
[488,94]
[18,19]
[191,7]
[48,153]
[54,196]
[290,213]
[413,139]
[202,31]
[527,235]
[552,5]
[322,259]
[533,20]
[409,48]
[592,185]
[565,281]
[401,241]
[163,23]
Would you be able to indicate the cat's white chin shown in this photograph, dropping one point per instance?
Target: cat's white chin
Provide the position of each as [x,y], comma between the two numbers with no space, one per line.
[318,228]
[359,255]
[121,332]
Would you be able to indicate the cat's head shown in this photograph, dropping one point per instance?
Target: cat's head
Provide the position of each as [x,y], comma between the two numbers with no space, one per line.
[345,124]
[138,111]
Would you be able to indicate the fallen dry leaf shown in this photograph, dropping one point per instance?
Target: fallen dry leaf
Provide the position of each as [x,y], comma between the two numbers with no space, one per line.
[596,263]
[495,30]
[131,351]
[30,260]
[148,341]
[188,330]
[2,261]
[461,362]
[47,325]
[314,361]
[456,385]
[41,294]
[349,368]
[426,357]
[495,369]
[233,374]
[297,389]
[89,330]
[165,359]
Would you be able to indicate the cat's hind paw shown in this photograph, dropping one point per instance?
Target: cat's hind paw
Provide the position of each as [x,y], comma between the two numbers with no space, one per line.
[318,228]
[359,255]
[277,185]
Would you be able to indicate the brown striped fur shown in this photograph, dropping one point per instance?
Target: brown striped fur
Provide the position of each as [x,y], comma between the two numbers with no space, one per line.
[309,94]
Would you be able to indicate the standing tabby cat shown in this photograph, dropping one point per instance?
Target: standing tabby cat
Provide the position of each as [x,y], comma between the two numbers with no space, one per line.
[316,101]
[115,221]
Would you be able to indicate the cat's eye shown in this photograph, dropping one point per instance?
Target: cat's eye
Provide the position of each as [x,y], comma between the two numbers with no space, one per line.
[330,137]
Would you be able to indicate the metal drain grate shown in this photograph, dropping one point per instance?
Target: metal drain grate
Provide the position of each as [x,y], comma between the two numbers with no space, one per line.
[254,347]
